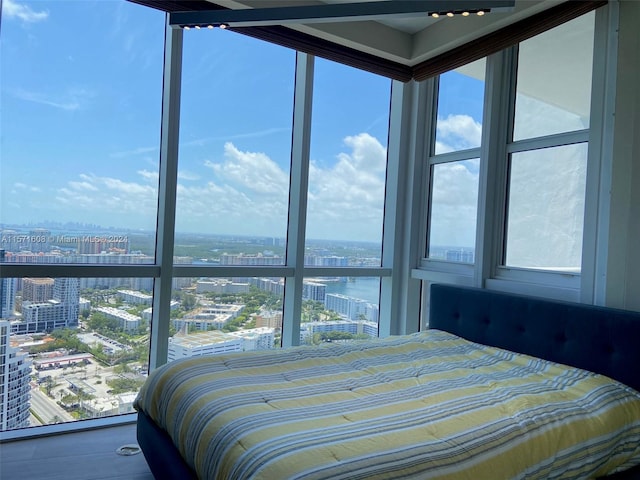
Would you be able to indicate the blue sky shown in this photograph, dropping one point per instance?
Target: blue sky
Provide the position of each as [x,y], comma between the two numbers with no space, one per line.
[81,89]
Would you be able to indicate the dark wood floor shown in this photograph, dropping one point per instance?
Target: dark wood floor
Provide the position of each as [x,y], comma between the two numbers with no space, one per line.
[88,455]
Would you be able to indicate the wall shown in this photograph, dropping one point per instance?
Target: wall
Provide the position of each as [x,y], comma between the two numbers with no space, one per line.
[623,265]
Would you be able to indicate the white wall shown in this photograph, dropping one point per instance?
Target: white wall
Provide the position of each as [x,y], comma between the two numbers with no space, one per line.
[623,265]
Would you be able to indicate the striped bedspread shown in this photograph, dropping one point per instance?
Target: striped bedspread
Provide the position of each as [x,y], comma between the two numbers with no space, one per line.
[428,405]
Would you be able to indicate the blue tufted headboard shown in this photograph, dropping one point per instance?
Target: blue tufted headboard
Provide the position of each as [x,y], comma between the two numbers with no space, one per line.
[603,340]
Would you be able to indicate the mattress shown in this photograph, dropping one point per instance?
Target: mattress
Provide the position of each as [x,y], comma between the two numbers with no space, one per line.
[428,405]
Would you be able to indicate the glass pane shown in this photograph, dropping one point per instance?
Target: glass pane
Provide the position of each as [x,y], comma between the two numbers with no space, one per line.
[546,208]
[212,316]
[460,105]
[235,147]
[454,210]
[553,92]
[80,130]
[78,347]
[348,159]
[339,309]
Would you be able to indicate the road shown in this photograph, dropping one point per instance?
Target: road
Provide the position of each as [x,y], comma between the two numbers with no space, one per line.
[47,409]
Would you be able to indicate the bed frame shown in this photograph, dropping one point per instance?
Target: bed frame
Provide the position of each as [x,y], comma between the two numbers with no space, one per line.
[603,340]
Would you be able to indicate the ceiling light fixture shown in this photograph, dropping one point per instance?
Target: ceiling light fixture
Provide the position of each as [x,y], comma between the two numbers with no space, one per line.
[335,12]
[209,26]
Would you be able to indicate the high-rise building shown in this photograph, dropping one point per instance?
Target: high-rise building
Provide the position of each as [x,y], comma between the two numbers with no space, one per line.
[14,383]
[37,290]
[61,311]
[352,308]
[7,293]
[313,291]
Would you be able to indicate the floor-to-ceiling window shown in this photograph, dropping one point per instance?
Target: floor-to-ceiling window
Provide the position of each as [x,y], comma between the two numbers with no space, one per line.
[81,95]
[345,206]
[108,278]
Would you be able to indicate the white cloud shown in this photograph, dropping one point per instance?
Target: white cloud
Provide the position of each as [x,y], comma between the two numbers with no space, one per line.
[454,208]
[457,132]
[25,187]
[346,200]
[72,99]
[111,201]
[247,193]
[13,9]
[187,175]
[135,151]
[253,171]
[79,186]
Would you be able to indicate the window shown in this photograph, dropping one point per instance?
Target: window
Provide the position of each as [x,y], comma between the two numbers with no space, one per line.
[546,208]
[345,207]
[80,132]
[81,111]
[547,165]
[508,167]
[350,119]
[339,309]
[98,118]
[235,149]
[455,166]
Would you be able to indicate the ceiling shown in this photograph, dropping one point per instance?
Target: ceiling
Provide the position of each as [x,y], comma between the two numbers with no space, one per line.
[407,41]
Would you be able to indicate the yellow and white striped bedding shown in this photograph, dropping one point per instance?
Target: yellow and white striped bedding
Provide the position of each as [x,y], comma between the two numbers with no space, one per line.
[429,405]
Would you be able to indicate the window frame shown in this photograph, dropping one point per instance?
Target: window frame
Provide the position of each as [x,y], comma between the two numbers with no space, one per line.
[496,149]
[163,270]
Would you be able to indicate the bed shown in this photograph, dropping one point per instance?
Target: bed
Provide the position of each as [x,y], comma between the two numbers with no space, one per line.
[488,391]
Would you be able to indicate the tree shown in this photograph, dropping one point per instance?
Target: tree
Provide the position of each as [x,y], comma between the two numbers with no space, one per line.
[189,301]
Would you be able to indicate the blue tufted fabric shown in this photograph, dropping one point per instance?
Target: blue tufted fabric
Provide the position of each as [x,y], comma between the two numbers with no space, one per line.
[603,340]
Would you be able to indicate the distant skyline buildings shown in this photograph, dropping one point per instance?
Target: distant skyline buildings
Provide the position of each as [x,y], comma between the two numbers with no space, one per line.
[34,291]
[42,240]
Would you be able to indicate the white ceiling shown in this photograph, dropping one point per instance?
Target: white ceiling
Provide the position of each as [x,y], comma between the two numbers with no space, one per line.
[408,41]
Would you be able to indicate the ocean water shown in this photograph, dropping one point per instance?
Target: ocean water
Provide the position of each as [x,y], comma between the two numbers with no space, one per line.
[366,288]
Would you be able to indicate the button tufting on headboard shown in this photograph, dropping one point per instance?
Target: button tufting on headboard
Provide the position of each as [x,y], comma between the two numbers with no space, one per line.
[600,339]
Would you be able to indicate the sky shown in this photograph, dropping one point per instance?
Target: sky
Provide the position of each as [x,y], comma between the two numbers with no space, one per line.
[80,90]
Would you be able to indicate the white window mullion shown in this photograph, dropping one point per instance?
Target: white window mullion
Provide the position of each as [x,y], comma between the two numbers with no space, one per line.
[298,189]
[595,243]
[168,179]
[500,78]
[403,233]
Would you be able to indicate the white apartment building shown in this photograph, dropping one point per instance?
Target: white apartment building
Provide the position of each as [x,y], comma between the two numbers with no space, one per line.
[14,383]
[213,342]
[221,285]
[213,317]
[135,298]
[148,312]
[352,308]
[308,329]
[256,338]
[128,321]
[314,291]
